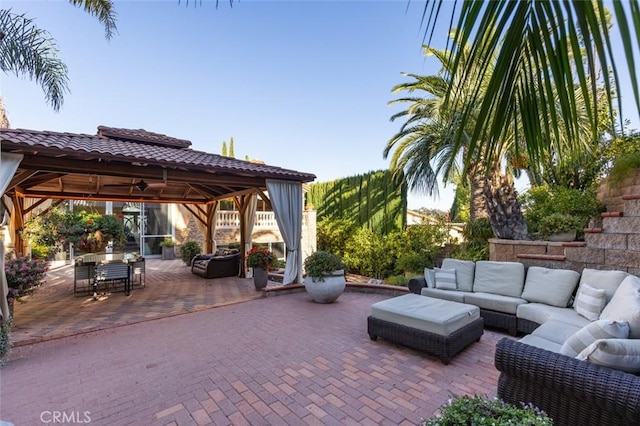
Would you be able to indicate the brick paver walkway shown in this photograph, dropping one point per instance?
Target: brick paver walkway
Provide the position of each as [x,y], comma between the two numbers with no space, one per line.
[270,361]
[171,289]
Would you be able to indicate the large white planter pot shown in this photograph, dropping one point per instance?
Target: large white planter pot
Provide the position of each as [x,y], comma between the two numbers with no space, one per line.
[328,290]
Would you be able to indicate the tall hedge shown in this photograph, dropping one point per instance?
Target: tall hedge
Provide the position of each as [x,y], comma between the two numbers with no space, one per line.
[374,200]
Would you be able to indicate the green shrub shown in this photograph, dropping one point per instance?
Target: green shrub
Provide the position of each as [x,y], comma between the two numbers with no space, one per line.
[397,280]
[189,250]
[623,167]
[368,253]
[543,201]
[419,245]
[333,235]
[478,411]
[557,223]
[476,246]
[5,340]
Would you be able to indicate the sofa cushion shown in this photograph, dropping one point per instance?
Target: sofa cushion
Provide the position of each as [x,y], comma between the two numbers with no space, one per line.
[505,278]
[601,329]
[541,342]
[430,277]
[556,331]
[621,354]
[541,313]
[464,272]
[625,305]
[445,279]
[606,280]
[551,286]
[590,301]
[494,302]
[426,314]
[452,295]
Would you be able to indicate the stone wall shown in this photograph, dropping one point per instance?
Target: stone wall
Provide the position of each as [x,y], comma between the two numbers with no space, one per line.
[613,241]
[611,195]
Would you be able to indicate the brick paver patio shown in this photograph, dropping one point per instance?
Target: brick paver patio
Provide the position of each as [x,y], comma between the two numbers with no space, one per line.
[266,361]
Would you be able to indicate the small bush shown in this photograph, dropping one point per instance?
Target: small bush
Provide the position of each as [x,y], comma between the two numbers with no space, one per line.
[397,280]
[189,250]
[478,411]
[476,246]
[558,223]
[5,340]
[542,201]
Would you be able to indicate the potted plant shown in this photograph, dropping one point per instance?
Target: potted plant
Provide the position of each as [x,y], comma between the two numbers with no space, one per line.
[168,250]
[560,227]
[324,279]
[261,260]
[188,251]
[476,410]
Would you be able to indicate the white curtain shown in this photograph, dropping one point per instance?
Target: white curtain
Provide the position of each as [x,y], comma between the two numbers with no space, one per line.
[249,219]
[286,201]
[8,166]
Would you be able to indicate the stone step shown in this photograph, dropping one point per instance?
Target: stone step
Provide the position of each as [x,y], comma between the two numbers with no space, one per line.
[592,230]
[632,205]
[574,244]
[621,225]
[612,214]
[552,257]
[631,197]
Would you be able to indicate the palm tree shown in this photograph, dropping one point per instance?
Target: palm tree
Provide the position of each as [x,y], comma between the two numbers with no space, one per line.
[428,137]
[26,50]
[542,49]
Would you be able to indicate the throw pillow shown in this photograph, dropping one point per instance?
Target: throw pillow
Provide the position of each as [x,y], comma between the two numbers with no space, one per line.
[590,301]
[445,279]
[621,354]
[625,305]
[550,286]
[601,329]
[430,277]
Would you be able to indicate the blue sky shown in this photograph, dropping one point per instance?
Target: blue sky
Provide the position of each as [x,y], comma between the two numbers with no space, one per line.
[298,84]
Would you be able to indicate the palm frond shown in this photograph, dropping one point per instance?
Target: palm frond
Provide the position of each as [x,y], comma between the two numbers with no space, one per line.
[101,9]
[567,42]
[26,50]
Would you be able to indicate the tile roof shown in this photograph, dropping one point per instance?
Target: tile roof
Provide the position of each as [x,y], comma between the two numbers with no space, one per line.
[144,136]
[139,145]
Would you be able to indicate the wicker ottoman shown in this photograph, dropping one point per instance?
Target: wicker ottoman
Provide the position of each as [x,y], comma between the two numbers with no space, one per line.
[439,327]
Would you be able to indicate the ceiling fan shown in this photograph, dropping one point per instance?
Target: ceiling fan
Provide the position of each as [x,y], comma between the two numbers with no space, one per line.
[142,185]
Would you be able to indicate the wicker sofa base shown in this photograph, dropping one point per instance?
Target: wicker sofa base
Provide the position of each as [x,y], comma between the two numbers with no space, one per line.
[570,391]
[500,320]
[526,326]
[443,347]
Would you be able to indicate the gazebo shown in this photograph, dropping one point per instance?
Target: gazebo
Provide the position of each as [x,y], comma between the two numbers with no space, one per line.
[140,166]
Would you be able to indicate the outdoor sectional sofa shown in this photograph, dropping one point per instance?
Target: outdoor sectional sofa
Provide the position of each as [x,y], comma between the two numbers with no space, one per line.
[580,358]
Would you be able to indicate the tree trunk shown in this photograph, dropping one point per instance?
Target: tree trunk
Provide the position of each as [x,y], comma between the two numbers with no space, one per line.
[477,189]
[503,207]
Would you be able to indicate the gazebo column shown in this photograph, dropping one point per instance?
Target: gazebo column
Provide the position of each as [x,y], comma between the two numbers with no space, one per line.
[210,226]
[17,219]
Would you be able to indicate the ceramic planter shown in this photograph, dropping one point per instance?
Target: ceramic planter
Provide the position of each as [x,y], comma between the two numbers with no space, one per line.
[328,290]
[168,253]
[260,278]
